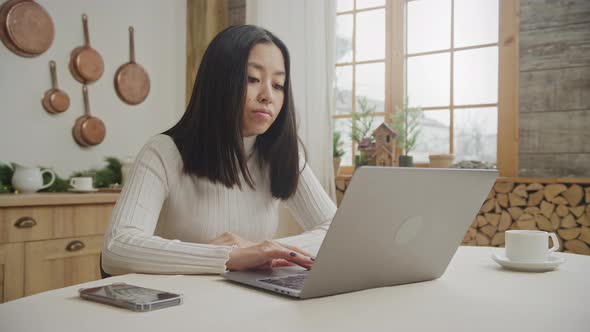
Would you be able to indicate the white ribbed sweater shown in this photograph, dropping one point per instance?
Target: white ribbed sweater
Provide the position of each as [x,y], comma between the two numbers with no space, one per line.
[164,219]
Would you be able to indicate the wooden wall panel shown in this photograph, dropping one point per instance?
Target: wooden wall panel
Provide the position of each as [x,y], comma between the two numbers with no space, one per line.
[537,14]
[237,12]
[555,90]
[557,47]
[555,132]
[546,165]
[204,20]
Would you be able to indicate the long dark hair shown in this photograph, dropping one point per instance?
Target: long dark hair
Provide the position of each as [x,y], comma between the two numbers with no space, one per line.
[209,134]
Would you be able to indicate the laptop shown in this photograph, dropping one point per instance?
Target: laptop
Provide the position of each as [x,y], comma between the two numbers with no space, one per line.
[394,226]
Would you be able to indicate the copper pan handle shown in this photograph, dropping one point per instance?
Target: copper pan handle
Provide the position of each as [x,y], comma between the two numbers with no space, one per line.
[53,74]
[86,103]
[86,34]
[131,45]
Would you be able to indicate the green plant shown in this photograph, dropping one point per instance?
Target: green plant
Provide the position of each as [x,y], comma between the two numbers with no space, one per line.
[362,127]
[405,122]
[103,178]
[58,186]
[362,121]
[337,151]
[6,178]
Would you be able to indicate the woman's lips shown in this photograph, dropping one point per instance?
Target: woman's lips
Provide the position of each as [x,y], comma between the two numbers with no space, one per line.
[262,114]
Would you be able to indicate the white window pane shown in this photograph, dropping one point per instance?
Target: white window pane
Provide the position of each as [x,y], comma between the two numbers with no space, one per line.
[370,35]
[343,91]
[344,38]
[476,76]
[429,80]
[476,133]
[343,127]
[377,121]
[370,83]
[344,5]
[429,25]
[476,22]
[360,4]
[434,137]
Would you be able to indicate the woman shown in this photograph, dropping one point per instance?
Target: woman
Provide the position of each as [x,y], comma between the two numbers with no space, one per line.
[203,196]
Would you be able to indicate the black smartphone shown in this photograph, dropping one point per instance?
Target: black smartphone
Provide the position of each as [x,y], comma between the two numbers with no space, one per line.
[131,297]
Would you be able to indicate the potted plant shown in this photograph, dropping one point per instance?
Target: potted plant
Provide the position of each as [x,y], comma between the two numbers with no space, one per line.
[361,128]
[337,151]
[405,122]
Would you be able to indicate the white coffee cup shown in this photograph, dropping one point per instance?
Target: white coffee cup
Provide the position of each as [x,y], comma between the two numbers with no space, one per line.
[81,183]
[529,246]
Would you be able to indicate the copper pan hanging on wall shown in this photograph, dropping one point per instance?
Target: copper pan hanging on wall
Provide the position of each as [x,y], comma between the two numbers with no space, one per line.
[88,130]
[132,82]
[55,100]
[86,63]
[26,28]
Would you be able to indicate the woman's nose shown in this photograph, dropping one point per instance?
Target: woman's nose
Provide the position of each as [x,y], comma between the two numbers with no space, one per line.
[265,95]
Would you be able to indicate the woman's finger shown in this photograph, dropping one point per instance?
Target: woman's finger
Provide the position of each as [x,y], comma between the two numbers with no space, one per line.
[291,256]
[281,263]
[265,266]
[293,248]
[220,242]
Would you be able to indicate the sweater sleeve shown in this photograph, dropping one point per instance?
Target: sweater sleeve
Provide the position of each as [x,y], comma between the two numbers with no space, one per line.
[130,244]
[313,209]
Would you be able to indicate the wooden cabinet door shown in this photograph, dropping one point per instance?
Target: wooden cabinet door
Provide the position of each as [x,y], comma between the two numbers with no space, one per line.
[20,224]
[59,263]
[12,267]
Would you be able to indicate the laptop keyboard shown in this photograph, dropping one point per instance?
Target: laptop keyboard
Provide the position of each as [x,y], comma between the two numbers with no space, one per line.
[293,282]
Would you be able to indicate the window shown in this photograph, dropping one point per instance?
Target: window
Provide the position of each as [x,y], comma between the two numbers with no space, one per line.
[441,55]
[452,73]
[360,65]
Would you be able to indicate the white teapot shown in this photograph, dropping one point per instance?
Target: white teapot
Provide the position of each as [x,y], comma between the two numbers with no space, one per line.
[30,179]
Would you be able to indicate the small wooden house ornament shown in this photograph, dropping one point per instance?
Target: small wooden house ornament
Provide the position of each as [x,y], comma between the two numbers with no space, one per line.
[383,151]
[385,145]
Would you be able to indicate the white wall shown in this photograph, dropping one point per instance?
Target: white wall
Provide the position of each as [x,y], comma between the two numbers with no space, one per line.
[29,135]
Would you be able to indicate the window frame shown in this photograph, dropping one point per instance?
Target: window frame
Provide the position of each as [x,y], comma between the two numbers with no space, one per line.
[395,76]
[347,169]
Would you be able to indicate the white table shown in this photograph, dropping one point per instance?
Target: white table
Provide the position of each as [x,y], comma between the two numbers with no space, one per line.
[474,294]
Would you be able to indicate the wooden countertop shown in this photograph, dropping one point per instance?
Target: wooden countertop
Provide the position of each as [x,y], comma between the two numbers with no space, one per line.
[36,199]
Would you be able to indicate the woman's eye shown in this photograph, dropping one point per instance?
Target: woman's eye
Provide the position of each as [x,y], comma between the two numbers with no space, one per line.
[279,87]
[253,79]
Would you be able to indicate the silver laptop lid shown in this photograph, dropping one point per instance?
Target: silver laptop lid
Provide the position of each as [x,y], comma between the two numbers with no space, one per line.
[396,226]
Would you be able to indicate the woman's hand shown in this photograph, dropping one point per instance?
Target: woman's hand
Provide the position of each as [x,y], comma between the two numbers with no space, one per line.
[267,254]
[230,239]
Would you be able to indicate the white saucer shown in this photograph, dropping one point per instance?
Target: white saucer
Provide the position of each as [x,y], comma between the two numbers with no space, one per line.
[83,190]
[550,264]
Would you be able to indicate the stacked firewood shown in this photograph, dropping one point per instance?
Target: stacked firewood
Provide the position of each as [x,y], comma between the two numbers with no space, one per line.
[560,208]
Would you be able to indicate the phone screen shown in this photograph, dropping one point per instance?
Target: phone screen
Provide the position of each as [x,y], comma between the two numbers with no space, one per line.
[131,297]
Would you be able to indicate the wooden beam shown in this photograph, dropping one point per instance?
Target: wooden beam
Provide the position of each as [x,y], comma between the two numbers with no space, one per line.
[397,49]
[508,88]
[204,20]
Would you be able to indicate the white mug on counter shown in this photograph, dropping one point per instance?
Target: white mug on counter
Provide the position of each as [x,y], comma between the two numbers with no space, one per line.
[529,246]
[82,183]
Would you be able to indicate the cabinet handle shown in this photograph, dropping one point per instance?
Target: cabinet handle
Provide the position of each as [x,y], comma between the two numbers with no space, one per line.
[75,246]
[25,222]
